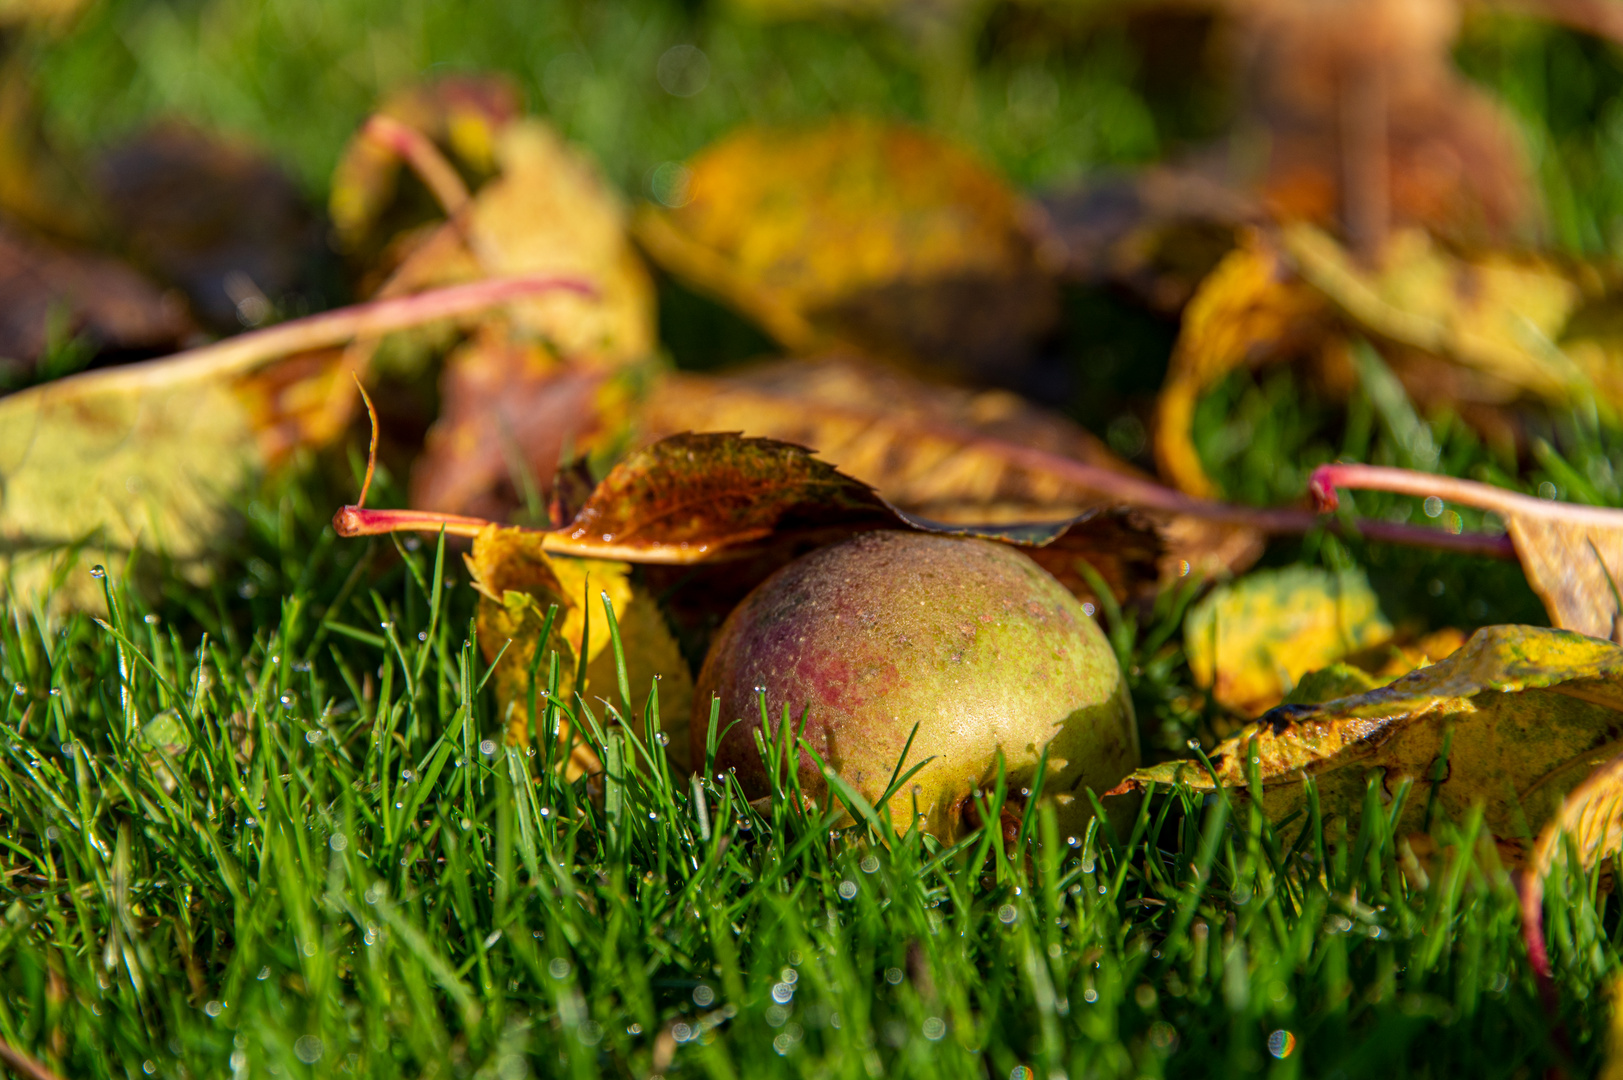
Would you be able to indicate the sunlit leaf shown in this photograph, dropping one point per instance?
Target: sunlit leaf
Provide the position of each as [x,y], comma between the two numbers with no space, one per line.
[519,583]
[153,455]
[1513,721]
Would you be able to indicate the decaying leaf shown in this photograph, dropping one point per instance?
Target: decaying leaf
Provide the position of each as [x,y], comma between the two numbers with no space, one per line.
[149,455]
[1572,555]
[1157,233]
[1252,640]
[93,295]
[1252,308]
[1500,314]
[702,498]
[1473,334]
[518,584]
[216,219]
[882,237]
[1362,121]
[1514,720]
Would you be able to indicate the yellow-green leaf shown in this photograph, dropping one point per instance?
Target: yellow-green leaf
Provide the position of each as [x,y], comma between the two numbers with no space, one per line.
[1251,641]
[1525,714]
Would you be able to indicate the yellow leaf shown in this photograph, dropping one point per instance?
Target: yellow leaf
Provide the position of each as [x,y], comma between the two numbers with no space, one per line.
[1249,309]
[1526,713]
[152,455]
[857,231]
[519,582]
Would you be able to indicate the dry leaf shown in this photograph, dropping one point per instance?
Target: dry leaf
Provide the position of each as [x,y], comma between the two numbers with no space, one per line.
[941,452]
[1251,309]
[879,236]
[1471,334]
[1364,123]
[1499,314]
[702,498]
[1525,712]
[1252,640]
[1572,555]
[151,455]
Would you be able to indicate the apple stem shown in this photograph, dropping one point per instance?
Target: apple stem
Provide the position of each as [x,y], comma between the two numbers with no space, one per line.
[359,521]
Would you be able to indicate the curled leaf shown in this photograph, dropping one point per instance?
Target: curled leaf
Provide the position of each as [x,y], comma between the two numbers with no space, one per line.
[1514,720]
[1588,825]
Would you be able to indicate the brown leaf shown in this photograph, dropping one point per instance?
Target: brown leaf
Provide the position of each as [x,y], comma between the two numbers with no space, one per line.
[1157,233]
[880,236]
[1365,124]
[110,303]
[215,218]
[1572,555]
[700,498]
[1525,713]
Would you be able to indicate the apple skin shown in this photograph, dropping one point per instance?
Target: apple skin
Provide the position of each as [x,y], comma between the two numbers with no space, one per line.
[970,639]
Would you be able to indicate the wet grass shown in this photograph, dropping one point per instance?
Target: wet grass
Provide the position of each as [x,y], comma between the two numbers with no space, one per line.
[270,829]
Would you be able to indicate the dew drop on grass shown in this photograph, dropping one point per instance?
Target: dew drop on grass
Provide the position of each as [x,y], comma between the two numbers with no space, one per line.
[407,776]
[153,620]
[422,635]
[848,889]
[870,863]
[1281,1043]
[98,571]
[487,747]
[663,739]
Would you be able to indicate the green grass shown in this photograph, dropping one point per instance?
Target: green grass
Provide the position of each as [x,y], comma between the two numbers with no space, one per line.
[329,866]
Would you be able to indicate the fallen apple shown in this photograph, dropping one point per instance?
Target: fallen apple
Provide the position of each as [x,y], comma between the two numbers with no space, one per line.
[969,639]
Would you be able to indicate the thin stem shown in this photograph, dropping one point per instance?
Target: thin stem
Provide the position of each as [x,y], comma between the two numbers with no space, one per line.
[359,521]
